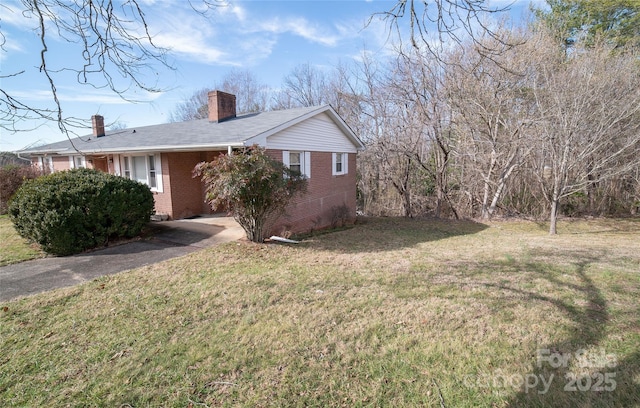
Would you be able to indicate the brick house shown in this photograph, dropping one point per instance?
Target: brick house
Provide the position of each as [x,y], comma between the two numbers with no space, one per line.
[314,140]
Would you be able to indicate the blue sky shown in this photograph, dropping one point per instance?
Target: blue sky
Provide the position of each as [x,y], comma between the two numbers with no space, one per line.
[269,38]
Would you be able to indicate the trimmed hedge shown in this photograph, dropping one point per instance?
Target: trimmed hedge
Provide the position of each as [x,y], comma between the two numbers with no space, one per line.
[71,211]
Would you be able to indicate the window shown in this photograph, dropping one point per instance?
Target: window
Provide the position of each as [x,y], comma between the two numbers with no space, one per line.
[152,171]
[294,162]
[144,169]
[299,161]
[340,164]
[46,163]
[127,168]
[77,162]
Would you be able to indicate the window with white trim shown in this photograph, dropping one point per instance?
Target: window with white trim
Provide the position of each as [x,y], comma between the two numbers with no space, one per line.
[46,163]
[295,162]
[339,164]
[298,161]
[143,168]
[77,162]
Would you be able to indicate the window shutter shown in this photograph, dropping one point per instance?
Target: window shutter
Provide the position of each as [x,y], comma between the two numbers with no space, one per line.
[345,163]
[307,164]
[116,165]
[333,164]
[158,162]
[285,157]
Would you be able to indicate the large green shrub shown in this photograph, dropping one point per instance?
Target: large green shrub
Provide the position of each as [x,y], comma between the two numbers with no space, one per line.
[72,211]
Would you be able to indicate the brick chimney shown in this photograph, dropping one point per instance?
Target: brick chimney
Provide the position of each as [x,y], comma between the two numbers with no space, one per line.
[97,122]
[222,106]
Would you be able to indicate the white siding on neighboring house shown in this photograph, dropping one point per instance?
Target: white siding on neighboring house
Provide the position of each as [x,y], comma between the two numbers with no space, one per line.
[319,134]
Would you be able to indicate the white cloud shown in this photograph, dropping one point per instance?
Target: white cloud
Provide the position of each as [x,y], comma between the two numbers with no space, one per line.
[190,44]
[71,94]
[298,26]
[231,36]
[256,49]
[12,14]
[234,11]
[10,46]
[189,36]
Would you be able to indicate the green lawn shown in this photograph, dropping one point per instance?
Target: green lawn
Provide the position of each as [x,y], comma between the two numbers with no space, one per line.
[14,248]
[392,312]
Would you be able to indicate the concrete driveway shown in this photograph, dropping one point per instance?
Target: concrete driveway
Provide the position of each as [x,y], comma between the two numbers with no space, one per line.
[169,239]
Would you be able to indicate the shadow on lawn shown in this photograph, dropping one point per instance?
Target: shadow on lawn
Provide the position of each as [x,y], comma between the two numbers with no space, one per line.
[377,234]
[596,378]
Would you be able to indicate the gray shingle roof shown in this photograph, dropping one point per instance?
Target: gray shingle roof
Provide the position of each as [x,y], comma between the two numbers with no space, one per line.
[188,136]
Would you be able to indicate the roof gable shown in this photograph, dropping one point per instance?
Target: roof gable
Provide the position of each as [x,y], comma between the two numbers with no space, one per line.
[317,133]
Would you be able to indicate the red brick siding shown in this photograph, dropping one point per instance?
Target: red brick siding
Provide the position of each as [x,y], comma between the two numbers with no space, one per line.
[61,163]
[325,193]
[183,195]
[98,163]
[206,208]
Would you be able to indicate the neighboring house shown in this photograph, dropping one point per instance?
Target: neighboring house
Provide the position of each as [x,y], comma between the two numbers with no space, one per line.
[314,140]
[11,159]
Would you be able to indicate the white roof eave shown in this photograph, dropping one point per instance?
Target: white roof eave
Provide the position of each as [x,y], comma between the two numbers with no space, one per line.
[140,149]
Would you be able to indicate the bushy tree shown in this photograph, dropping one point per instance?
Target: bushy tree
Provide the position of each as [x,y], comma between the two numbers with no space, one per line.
[72,211]
[12,176]
[253,186]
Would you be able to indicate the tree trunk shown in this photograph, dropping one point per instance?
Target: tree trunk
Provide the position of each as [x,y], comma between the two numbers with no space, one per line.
[485,200]
[441,167]
[496,198]
[405,194]
[554,216]
[439,198]
[408,211]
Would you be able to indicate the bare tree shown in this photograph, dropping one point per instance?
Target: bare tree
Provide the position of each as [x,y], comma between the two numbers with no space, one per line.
[419,82]
[112,41]
[433,25]
[589,120]
[251,96]
[118,125]
[424,32]
[194,107]
[371,118]
[496,126]
[305,85]
[494,114]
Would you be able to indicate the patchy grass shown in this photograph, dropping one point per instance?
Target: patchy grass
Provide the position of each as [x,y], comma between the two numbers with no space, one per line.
[390,313]
[14,248]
